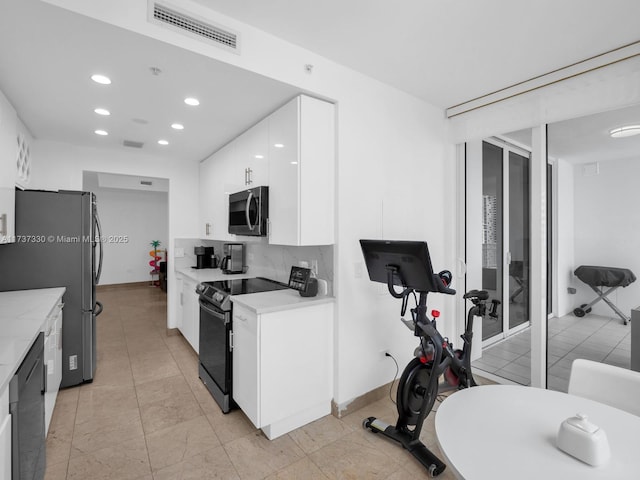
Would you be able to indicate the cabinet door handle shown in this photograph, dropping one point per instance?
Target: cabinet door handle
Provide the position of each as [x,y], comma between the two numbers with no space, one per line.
[207,227]
[231,340]
[249,172]
[4,229]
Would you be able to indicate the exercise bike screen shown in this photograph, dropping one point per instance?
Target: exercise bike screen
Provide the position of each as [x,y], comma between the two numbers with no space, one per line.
[410,258]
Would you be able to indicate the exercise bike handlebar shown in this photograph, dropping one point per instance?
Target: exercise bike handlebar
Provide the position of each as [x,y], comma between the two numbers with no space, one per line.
[438,281]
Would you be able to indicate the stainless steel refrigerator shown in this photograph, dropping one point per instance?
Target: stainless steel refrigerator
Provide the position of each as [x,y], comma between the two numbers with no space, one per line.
[58,245]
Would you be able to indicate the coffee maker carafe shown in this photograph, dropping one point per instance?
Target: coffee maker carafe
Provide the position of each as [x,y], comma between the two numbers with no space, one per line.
[233,259]
[204,257]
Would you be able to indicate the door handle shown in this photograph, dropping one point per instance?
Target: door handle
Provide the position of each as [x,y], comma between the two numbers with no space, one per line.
[246,211]
[4,229]
[99,230]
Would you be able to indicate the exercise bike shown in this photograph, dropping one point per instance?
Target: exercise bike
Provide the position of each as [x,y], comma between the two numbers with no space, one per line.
[408,264]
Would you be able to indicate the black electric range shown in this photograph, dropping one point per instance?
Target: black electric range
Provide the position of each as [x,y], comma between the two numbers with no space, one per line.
[219,291]
[216,346]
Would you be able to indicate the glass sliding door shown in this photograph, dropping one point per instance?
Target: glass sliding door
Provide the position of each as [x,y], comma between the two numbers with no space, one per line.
[505,237]
[518,255]
[492,232]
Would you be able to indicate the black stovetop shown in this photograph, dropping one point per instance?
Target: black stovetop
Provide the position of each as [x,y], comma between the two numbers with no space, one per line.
[240,286]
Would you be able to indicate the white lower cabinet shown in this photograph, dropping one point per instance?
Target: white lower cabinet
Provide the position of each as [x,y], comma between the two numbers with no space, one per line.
[190,325]
[5,436]
[52,360]
[282,366]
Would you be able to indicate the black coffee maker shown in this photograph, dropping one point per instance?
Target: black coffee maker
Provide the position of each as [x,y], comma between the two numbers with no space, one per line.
[204,257]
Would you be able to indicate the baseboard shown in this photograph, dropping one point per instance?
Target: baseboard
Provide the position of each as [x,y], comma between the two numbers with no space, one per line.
[122,286]
[359,402]
[172,332]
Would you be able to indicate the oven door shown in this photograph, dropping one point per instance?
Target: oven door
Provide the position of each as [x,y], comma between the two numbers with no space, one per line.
[215,346]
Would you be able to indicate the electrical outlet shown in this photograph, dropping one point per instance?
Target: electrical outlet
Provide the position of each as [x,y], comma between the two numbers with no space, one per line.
[178,252]
[314,267]
[358,269]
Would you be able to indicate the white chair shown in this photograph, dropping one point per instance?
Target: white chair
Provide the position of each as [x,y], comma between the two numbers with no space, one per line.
[615,386]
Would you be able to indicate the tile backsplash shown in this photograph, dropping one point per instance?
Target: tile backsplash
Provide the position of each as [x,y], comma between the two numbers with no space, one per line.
[274,261]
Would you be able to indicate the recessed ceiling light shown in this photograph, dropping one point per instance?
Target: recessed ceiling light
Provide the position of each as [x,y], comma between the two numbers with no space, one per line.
[259,156]
[192,101]
[101,79]
[278,145]
[293,163]
[102,111]
[177,126]
[627,131]
[163,142]
[101,132]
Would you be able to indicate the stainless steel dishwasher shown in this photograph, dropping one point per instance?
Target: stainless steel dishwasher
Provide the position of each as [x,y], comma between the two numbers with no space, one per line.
[26,405]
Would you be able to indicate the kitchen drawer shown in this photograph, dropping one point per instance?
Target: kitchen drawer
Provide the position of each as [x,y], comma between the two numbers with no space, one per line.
[245,317]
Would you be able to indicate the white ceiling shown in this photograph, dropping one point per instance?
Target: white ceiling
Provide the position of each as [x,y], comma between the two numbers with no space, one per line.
[48,54]
[446,52]
[587,139]
[443,52]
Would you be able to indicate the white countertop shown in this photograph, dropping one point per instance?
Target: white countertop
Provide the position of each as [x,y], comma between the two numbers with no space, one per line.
[278,300]
[263,302]
[23,314]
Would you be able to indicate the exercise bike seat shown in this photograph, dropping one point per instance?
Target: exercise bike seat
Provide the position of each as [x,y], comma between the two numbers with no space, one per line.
[479,294]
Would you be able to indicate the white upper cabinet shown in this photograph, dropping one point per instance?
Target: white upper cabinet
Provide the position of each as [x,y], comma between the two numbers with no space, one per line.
[214,190]
[8,156]
[302,173]
[252,157]
[293,153]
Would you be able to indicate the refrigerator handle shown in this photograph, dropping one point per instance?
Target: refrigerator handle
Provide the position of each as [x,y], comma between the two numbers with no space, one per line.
[98,309]
[99,229]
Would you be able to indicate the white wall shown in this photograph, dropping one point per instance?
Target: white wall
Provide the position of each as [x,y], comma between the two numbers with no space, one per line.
[607,228]
[130,220]
[563,226]
[60,166]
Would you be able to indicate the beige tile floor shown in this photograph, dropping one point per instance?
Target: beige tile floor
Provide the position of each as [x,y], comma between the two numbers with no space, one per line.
[148,416]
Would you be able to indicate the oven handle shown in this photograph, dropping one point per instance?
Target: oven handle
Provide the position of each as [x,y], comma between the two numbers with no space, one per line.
[204,305]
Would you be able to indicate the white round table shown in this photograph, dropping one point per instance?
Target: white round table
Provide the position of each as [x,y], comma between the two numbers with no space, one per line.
[509,432]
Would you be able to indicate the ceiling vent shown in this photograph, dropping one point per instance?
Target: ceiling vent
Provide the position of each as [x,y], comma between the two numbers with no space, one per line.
[173,18]
[132,144]
[146,182]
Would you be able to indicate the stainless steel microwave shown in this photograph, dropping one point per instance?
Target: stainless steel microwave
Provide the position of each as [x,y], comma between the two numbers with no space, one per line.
[249,212]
